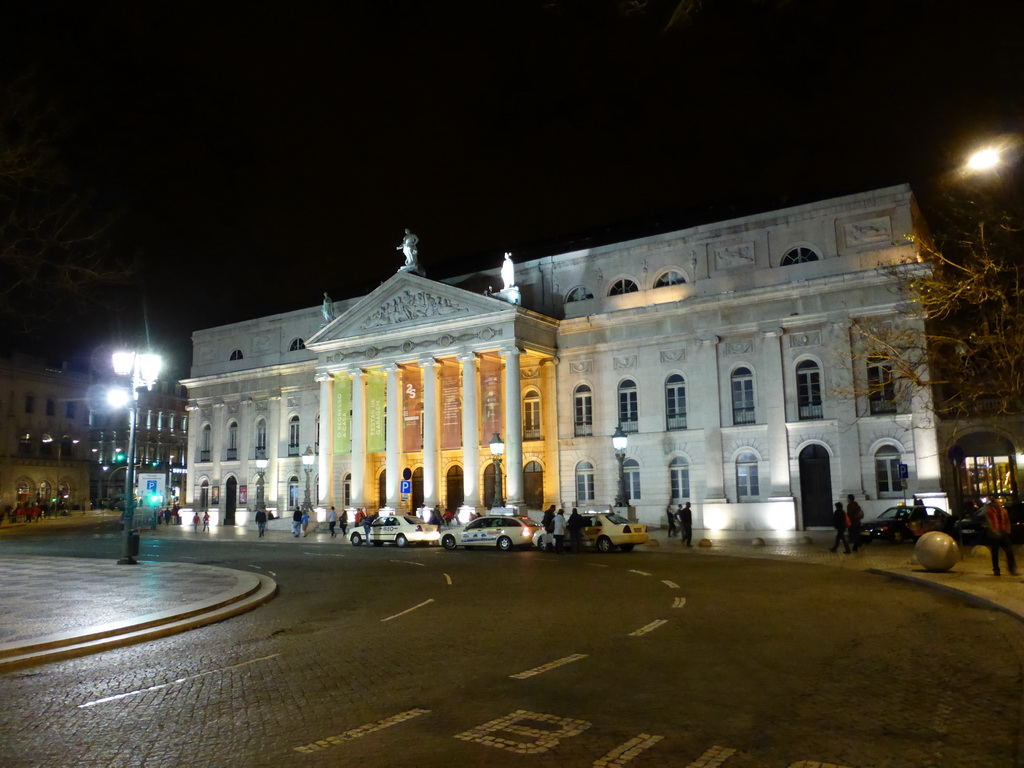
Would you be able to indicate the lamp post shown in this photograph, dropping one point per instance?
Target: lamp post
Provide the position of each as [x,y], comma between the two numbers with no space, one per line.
[142,368]
[261,469]
[307,463]
[619,442]
[497,449]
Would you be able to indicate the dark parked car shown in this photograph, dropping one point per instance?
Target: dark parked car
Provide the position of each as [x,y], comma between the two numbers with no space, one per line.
[899,524]
[971,530]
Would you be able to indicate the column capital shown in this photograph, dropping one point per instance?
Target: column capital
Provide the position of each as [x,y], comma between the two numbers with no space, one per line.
[390,368]
[429,362]
[510,351]
[468,357]
[773,333]
[323,376]
[554,360]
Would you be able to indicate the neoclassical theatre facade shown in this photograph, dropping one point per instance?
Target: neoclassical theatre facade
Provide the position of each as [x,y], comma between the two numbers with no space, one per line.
[725,353]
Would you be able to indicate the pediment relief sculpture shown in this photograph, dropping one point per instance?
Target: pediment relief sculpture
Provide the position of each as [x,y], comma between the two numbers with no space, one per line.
[408,306]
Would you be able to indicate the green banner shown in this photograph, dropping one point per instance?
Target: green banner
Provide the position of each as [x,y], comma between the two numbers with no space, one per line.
[376,386]
[342,414]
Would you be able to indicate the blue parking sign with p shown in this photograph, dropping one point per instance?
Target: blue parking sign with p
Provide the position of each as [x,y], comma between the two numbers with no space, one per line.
[406,487]
[904,471]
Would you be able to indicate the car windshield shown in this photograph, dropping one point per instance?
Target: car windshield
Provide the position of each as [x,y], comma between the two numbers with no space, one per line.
[413,520]
[893,513]
[617,519]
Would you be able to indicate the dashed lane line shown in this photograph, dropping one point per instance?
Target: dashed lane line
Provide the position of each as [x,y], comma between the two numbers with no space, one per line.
[626,752]
[409,562]
[120,696]
[362,730]
[642,573]
[648,628]
[679,602]
[549,666]
[712,757]
[670,584]
[408,610]
[448,579]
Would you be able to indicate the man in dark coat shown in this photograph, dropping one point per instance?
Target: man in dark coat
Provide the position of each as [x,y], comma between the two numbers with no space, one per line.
[686,523]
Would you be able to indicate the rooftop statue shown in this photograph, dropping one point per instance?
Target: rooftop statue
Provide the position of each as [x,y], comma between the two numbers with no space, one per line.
[328,308]
[410,248]
[508,275]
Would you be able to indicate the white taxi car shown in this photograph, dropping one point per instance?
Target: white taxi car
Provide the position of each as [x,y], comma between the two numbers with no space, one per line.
[602,530]
[400,530]
[502,531]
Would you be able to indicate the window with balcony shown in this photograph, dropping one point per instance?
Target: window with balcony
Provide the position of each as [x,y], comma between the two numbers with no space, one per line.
[293,436]
[675,402]
[583,411]
[261,438]
[629,407]
[808,391]
[531,415]
[205,442]
[742,396]
[231,451]
[881,387]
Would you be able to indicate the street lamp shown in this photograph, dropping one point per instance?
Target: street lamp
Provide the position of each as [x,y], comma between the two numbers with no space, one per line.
[619,442]
[261,469]
[307,463]
[143,368]
[497,449]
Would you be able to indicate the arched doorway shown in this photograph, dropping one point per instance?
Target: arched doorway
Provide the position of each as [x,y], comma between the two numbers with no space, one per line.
[204,495]
[230,500]
[815,487]
[533,485]
[989,467]
[490,472]
[417,488]
[455,493]
[382,489]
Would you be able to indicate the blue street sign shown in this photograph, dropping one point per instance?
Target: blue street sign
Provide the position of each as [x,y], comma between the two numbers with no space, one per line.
[904,471]
[407,487]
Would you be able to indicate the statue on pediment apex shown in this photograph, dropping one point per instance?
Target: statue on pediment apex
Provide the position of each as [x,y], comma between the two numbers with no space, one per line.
[410,247]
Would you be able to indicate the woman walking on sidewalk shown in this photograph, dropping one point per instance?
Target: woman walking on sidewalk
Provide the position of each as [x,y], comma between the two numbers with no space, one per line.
[840,522]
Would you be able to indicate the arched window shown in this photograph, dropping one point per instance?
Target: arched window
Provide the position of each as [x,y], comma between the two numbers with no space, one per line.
[629,407]
[204,495]
[579,293]
[261,439]
[798,255]
[624,285]
[531,415]
[236,354]
[583,411]
[293,436]
[45,492]
[808,390]
[584,481]
[742,396]
[675,402]
[296,345]
[679,479]
[671,277]
[631,470]
[232,446]
[887,472]
[346,490]
[293,492]
[747,483]
[204,443]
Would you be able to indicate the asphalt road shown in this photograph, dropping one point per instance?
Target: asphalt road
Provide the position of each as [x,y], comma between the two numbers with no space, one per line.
[422,657]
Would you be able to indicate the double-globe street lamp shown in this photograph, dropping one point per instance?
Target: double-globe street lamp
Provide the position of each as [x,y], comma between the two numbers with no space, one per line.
[142,368]
[619,442]
[307,464]
[497,449]
[261,471]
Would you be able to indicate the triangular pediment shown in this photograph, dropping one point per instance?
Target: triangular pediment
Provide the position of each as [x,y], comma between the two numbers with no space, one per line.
[405,302]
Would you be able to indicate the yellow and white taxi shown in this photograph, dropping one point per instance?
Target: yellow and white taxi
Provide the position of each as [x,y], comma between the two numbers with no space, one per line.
[602,530]
[400,530]
[502,531]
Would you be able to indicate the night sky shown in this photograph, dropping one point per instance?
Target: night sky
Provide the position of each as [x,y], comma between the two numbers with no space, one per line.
[261,153]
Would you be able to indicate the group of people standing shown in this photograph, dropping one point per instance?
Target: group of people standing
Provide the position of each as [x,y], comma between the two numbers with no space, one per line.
[680,522]
[556,524]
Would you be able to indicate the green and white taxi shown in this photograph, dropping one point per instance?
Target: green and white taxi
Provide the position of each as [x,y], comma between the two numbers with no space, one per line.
[502,531]
[602,530]
[399,530]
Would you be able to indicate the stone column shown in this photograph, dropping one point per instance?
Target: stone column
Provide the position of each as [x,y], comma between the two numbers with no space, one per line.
[774,404]
[707,396]
[392,446]
[325,486]
[431,433]
[513,430]
[272,485]
[470,431]
[358,438]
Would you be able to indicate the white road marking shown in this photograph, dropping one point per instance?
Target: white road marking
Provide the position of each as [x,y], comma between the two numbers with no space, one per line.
[448,579]
[362,730]
[598,565]
[648,628]
[543,737]
[712,757]
[409,562]
[120,696]
[549,666]
[626,752]
[679,602]
[642,573]
[670,584]
[407,610]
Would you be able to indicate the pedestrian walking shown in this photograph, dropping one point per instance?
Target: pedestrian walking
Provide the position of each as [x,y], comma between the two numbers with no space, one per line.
[367,523]
[343,522]
[998,533]
[332,520]
[548,518]
[195,522]
[575,525]
[206,522]
[840,523]
[296,522]
[305,522]
[558,529]
[671,514]
[686,524]
[261,521]
[856,514]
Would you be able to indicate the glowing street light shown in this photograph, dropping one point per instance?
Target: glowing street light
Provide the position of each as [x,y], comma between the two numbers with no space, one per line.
[307,463]
[261,469]
[619,442]
[143,368]
[497,449]
[984,159]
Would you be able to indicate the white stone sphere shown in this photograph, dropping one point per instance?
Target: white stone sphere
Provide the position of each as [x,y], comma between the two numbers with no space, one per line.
[936,551]
[758,542]
[704,543]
